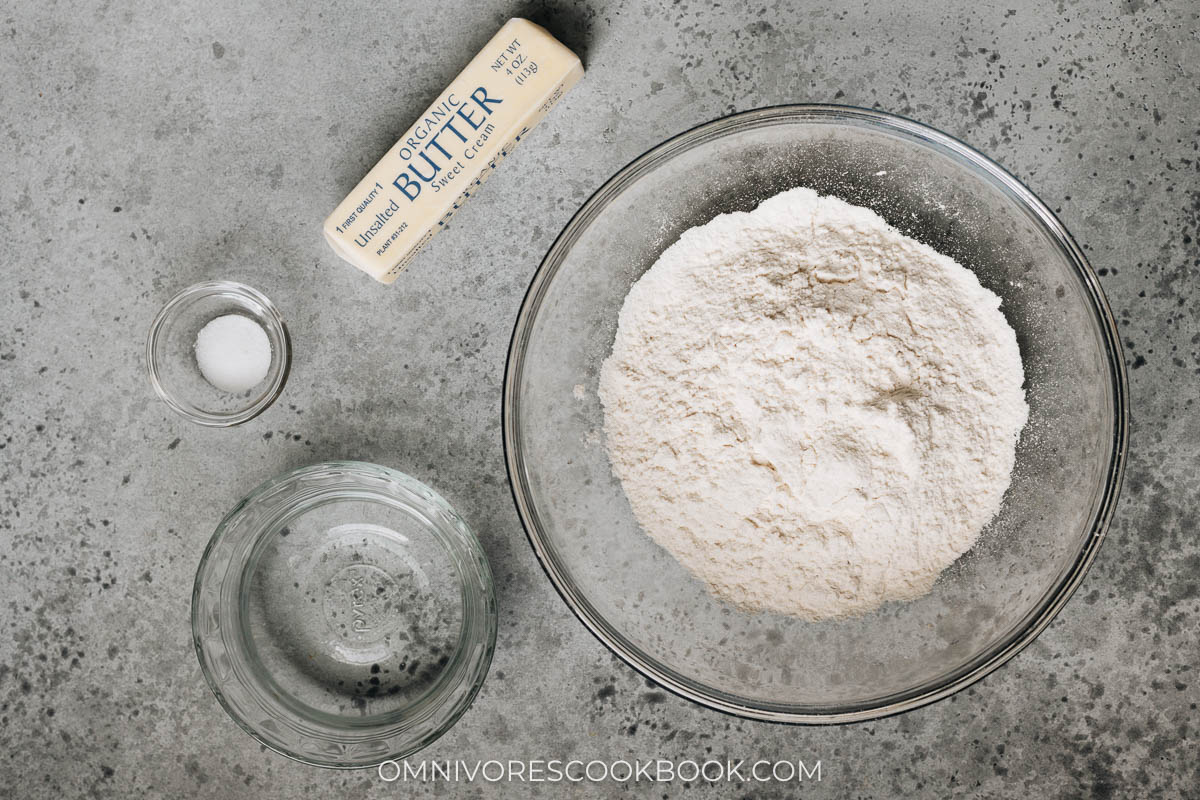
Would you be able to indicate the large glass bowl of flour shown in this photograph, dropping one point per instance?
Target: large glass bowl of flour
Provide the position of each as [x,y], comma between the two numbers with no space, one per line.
[991,601]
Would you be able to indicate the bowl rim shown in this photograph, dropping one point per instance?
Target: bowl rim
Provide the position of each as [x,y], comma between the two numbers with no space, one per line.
[457,697]
[1040,615]
[270,316]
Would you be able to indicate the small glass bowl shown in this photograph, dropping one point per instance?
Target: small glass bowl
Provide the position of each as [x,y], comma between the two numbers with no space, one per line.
[171,356]
[344,615]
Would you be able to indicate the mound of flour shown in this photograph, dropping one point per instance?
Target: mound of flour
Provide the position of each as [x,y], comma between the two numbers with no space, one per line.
[812,412]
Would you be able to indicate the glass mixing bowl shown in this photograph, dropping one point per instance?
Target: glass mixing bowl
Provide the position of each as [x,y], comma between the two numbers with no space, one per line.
[995,599]
[344,614]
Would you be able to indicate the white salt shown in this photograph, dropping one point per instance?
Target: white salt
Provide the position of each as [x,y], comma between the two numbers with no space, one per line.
[233,352]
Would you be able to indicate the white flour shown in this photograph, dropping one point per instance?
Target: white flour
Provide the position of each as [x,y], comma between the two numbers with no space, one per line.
[812,412]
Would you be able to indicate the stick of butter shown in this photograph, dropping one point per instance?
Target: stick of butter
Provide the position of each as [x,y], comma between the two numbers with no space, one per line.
[449,152]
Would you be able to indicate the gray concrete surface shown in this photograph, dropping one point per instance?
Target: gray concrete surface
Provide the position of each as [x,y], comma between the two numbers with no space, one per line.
[146,146]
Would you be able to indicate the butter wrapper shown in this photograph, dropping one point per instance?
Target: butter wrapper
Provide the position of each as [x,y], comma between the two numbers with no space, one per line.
[451,149]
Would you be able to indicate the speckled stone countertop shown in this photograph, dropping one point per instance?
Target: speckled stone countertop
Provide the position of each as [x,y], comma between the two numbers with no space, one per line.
[146,146]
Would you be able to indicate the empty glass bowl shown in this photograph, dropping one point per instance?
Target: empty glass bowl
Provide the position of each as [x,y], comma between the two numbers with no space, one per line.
[171,357]
[994,600]
[344,614]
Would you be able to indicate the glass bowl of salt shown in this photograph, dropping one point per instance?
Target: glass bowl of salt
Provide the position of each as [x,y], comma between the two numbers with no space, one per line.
[218,353]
